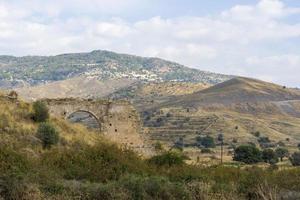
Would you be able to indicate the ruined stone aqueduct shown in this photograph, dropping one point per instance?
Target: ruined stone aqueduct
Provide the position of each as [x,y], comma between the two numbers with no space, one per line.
[118,120]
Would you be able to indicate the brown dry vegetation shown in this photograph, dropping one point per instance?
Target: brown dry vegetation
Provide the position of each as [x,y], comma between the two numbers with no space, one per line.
[85,166]
[238,108]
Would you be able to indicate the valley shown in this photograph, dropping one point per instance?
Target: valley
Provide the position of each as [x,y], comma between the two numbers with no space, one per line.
[145,118]
[175,111]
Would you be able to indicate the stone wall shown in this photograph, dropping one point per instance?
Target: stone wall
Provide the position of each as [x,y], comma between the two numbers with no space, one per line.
[119,121]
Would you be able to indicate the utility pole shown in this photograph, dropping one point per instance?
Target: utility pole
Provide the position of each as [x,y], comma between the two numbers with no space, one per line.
[221,139]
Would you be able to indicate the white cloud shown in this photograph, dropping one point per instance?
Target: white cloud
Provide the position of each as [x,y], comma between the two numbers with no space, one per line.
[245,40]
[275,68]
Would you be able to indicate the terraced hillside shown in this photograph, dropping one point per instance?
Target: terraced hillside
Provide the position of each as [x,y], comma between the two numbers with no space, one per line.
[171,128]
[244,110]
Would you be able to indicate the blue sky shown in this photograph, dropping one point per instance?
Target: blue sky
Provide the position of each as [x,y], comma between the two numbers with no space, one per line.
[256,38]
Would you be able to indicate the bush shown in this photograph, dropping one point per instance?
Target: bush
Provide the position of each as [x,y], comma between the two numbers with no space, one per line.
[247,154]
[167,159]
[40,111]
[264,140]
[207,141]
[256,134]
[206,150]
[101,162]
[281,153]
[14,167]
[269,156]
[295,159]
[48,134]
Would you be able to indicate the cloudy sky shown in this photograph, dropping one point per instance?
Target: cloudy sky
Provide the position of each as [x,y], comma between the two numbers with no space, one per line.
[257,38]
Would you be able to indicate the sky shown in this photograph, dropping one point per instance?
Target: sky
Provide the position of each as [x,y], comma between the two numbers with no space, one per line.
[255,38]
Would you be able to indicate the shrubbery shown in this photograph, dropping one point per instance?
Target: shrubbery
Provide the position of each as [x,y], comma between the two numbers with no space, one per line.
[247,154]
[269,156]
[207,141]
[40,111]
[47,134]
[167,159]
[295,159]
[281,153]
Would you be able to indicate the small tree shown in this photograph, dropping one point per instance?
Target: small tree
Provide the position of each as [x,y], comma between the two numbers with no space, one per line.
[40,111]
[48,134]
[295,159]
[168,159]
[207,141]
[247,154]
[281,153]
[256,134]
[269,156]
[264,140]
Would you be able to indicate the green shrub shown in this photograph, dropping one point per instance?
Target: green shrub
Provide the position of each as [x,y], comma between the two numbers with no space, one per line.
[207,141]
[40,111]
[247,154]
[282,152]
[295,159]
[101,162]
[47,134]
[206,150]
[13,170]
[269,156]
[12,161]
[167,159]
[256,134]
[263,140]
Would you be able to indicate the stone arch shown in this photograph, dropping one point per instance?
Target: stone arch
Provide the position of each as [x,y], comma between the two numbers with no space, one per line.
[94,116]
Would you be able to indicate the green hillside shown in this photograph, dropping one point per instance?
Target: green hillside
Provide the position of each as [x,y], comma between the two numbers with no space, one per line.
[32,70]
[84,165]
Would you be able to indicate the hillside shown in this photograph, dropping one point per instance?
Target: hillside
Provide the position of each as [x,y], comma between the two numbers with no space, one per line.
[238,108]
[80,87]
[238,90]
[84,165]
[104,65]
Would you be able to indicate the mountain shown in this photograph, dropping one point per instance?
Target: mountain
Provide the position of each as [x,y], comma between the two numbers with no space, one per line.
[104,65]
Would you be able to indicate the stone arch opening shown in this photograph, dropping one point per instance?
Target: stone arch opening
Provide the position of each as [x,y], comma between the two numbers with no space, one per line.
[85,118]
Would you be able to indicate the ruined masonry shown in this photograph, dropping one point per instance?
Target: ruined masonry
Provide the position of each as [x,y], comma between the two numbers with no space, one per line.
[118,120]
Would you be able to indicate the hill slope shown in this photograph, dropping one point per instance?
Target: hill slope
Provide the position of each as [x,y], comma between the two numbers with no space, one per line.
[238,90]
[238,108]
[80,87]
[33,70]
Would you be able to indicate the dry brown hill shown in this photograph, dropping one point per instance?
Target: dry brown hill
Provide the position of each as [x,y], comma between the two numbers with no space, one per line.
[245,110]
[238,90]
[82,87]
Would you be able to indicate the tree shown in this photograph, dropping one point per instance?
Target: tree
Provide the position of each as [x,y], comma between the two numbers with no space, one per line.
[40,111]
[269,156]
[248,154]
[264,140]
[167,159]
[281,153]
[207,141]
[47,134]
[295,159]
